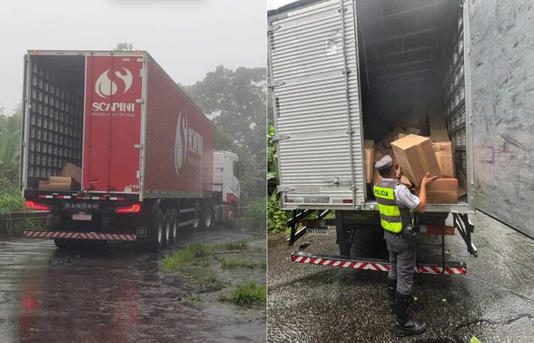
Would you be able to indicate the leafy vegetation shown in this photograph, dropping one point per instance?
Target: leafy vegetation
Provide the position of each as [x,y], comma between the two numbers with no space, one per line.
[10,145]
[186,256]
[247,293]
[254,214]
[276,218]
[239,263]
[10,197]
[234,245]
[234,100]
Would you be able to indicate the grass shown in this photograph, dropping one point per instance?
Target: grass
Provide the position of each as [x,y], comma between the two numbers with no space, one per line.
[247,293]
[235,245]
[185,257]
[238,263]
[209,281]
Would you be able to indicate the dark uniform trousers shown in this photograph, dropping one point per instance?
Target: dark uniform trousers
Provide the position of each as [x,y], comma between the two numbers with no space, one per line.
[402,256]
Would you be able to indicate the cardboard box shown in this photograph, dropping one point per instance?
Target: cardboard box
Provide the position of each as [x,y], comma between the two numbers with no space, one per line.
[369,150]
[443,152]
[442,191]
[380,151]
[405,181]
[416,157]
[438,128]
[44,185]
[73,171]
[61,183]
[394,135]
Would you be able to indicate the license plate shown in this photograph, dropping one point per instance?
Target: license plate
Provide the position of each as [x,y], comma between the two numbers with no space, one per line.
[81,216]
[317,230]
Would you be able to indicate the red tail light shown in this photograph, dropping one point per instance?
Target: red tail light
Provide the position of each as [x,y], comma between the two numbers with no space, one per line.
[135,208]
[30,205]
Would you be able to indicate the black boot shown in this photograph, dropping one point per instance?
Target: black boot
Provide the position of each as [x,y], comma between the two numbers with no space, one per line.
[405,325]
[392,289]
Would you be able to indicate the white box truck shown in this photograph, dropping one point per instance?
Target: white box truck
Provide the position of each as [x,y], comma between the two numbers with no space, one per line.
[342,71]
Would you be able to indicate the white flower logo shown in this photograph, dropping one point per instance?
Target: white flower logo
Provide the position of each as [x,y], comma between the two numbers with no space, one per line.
[108,83]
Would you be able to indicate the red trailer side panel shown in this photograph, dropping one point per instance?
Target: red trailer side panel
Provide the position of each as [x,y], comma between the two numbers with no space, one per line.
[112,123]
[178,143]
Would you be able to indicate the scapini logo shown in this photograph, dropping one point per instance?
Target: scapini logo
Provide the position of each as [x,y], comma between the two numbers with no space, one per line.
[113,81]
[107,84]
[187,142]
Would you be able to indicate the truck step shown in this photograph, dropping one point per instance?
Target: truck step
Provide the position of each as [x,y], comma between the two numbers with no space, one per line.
[79,235]
[452,268]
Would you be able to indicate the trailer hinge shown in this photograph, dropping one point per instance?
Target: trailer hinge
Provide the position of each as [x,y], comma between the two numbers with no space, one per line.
[346,71]
[140,101]
[276,84]
[138,146]
[279,137]
[286,189]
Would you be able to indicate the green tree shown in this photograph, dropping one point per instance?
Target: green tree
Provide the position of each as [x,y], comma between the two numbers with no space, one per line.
[236,103]
[123,46]
[10,145]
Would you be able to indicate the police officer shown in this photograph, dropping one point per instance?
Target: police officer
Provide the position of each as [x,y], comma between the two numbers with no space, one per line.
[395,204]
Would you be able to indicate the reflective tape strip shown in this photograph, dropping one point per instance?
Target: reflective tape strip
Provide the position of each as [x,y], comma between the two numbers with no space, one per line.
[389,210]
[79,235]
[376,266]
[393,227]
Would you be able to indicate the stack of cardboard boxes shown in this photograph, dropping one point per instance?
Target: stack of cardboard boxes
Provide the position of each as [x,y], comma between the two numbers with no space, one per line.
[68,180]
[417,155]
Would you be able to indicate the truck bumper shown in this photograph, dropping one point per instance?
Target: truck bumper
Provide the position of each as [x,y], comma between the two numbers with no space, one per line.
[80,235]
[451,268]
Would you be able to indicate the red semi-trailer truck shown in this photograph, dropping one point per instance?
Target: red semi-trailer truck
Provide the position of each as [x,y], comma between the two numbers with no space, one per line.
[143,148]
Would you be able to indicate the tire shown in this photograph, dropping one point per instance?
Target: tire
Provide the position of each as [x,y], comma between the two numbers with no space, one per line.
[174,225]
[207,217]
[196,220]
[157,237]
[167,225]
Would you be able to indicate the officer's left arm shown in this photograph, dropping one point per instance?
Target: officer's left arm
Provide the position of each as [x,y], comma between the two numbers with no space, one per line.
[406,198]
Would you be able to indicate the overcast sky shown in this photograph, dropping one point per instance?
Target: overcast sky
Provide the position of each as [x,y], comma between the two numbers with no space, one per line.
[188,38]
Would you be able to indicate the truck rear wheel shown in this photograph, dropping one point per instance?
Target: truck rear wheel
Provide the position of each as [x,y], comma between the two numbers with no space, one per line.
[167,228]
[174,225]
[196,219]
[207,217]
[157,236]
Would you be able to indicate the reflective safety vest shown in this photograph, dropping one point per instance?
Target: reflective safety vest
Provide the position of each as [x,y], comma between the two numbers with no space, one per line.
[392,217]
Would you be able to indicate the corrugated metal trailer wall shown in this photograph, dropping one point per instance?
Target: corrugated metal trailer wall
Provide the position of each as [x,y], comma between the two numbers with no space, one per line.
[314,75]
[502,91]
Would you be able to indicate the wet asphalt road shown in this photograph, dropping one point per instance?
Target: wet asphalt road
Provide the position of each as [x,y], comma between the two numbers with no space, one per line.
[114,294]
[493,302]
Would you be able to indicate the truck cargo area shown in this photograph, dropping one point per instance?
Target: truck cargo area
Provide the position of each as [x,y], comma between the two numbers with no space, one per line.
[55,122]
[411,69]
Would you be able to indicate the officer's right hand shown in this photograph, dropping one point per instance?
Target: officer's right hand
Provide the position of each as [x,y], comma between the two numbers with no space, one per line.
[427,180]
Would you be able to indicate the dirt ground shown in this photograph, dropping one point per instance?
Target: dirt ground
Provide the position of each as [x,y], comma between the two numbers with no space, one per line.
[494,302]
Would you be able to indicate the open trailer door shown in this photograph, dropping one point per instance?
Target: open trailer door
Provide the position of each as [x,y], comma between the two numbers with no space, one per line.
[313,74]
[113,103]
[500,98]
